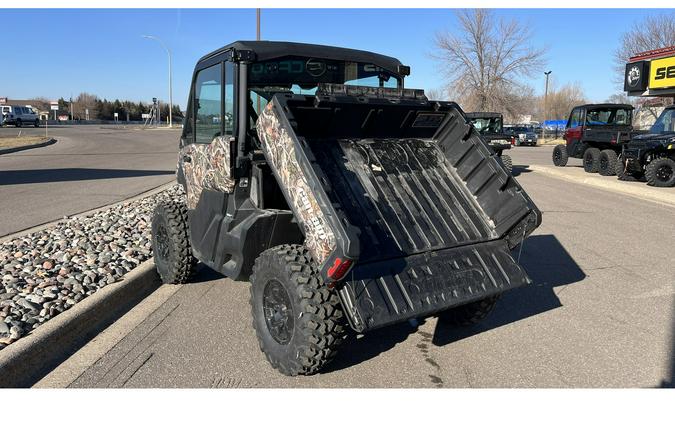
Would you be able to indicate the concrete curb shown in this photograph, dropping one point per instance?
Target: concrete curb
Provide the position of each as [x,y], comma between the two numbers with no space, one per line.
[663,196]
[51,141]
[29,359]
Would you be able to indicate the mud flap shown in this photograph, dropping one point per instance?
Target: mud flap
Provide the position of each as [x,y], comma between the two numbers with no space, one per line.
[387,292]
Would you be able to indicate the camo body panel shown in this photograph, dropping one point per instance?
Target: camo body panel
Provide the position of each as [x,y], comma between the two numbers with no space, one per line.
[280,151]
[209,168]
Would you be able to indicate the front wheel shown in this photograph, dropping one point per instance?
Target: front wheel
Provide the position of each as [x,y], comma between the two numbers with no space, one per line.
[469,314]
[591,160]
[608,163]
[298,320]
[36,123]
[560,156]
[18,123]
[661,173]
[171,247]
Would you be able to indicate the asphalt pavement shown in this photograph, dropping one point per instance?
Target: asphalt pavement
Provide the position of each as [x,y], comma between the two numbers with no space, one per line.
[600,313]
[89,167]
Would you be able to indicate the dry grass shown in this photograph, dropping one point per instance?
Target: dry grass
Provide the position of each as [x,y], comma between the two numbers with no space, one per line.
[13,141]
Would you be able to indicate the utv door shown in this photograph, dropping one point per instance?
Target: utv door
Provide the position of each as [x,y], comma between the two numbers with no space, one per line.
[574,132]
[205,159]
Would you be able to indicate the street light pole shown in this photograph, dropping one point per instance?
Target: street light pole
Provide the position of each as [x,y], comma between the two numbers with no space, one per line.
[546,99]
[170,77]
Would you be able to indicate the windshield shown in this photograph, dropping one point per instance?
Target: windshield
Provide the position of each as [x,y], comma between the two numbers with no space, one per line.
[608,116]
[665,123]
[485,125]
[522,129]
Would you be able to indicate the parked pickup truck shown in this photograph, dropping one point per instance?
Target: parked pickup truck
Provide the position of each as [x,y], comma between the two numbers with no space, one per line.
[595,133]
[345,205]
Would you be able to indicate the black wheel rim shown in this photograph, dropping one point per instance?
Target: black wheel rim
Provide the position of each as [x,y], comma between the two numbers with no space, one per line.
[589,161]
[557,155]
[664,173]
[603,163]
[278,312]
[162,243]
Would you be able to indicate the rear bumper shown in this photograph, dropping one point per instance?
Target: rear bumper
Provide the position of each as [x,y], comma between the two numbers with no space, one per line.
[387,292]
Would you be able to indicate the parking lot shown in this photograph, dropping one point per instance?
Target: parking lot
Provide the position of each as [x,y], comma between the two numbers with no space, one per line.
[88,167]
[599,313]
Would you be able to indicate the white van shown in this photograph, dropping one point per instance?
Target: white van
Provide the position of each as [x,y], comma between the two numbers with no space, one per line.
[19,115]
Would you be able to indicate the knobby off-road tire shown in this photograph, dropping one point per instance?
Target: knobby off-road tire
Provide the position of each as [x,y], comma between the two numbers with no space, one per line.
[560,156]
[661,173]
[624,175]
[608,162]
[298,321]
[171,247]
[591,160]
[469,314]
[507,162]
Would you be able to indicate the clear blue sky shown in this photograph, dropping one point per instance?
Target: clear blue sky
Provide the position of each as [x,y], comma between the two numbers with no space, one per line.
[64,52]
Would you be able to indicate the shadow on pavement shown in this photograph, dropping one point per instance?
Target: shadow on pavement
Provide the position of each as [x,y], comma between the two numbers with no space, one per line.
[519,169]
[548,265]
[22,177]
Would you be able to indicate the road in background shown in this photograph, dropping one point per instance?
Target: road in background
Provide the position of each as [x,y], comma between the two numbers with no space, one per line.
[598,314]
[89,166]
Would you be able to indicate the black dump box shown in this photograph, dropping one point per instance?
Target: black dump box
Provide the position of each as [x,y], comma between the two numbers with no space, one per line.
[403,194]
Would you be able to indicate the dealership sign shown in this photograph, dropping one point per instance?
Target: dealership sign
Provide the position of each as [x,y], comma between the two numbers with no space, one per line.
[662,73]
[651,73]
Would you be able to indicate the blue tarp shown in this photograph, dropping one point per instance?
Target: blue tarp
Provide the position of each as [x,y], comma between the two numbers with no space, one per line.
[554,124]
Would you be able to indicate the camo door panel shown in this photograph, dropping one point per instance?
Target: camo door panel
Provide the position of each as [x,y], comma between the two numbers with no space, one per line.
[209,168]
[280,150]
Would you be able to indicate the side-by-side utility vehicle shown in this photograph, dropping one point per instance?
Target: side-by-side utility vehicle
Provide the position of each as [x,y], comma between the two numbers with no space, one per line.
[490,126]
[347,200]
[652,155]
[595,133]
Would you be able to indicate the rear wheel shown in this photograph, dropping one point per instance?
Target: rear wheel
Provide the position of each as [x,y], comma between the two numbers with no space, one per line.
[661,173]
[560,156]
[298,320]
[608,163]
[469,314]
[507,162]
[18,123]
[171,247]
[591,160]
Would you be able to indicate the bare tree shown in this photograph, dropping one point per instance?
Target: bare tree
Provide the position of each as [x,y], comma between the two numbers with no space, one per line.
[486,61]
[84,102]
[560,101]
[656,31]
[439,94]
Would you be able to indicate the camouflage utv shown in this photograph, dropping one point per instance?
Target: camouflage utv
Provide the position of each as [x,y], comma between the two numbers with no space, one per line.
[349,201]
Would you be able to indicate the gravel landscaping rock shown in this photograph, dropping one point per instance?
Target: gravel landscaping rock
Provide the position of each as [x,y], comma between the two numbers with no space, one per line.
[47,272]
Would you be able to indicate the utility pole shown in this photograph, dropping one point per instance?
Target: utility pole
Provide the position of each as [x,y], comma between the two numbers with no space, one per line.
[170,77]
[545,101]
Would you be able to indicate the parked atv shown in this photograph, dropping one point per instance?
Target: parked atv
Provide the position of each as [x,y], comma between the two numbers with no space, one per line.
[490,126]
[652,155]
[357,206]
[595,133]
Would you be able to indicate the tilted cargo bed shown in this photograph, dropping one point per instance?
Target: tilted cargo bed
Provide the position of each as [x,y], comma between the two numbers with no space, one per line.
[407,190]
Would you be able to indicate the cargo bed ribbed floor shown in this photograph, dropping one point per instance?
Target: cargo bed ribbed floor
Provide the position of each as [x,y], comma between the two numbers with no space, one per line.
[401,194]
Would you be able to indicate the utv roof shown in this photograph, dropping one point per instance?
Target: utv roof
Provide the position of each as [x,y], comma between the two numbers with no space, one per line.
[606,105]
[267,50]
[480,114]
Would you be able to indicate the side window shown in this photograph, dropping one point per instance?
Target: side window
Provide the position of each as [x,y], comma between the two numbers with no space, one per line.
[575,118]
[229,98]
[208,98]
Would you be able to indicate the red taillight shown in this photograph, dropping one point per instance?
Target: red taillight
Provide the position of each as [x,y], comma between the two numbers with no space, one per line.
[339,269]
[513,140]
